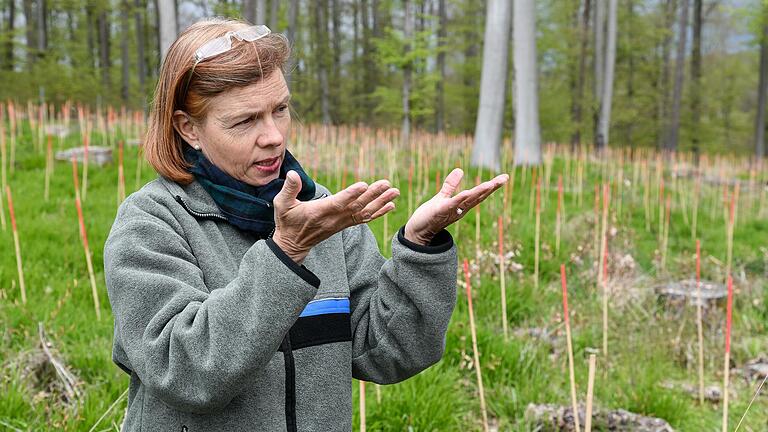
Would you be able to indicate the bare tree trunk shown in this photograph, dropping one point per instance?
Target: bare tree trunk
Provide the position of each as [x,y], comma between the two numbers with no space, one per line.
[249,11]
[124,53]
[440,88]
[607,94]
[90,22]
[628,128]
[696,77]
[493,84]
[578,96]
[663,86]
[168,27]
[42,28]
[762,89]
[405,132]
[261,12]
[527,132]
[320,7]
[11,28]
[293,11]
[141,64]
[674,124]
[274,10]
[104,52]
[29,24]
[599,64]
[336,34]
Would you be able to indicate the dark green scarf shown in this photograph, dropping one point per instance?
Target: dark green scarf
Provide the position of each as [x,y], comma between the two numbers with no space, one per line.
[246,207]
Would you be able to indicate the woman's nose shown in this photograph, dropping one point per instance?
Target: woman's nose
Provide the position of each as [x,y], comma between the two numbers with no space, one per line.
[270,134]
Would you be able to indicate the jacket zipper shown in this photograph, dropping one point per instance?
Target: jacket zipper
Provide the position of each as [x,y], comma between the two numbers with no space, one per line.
[181,201]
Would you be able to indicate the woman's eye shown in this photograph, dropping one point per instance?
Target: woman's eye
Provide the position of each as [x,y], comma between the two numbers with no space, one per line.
[244,122]
[282,108]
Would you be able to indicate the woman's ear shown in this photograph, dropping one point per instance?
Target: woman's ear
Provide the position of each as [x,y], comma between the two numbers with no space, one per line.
[186,128]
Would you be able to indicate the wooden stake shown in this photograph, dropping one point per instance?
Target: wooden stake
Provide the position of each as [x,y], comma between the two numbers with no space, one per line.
[120,174]
[476,354]
[695,216]
[477,231]
[571,374]
[362,406]
[699,323]
[502,271]
[726,364]
[602,265]
[558,216]
[590,391]
[537,234]
[19,267]
[3,174]
[48,168]
[84,238]
[665,236]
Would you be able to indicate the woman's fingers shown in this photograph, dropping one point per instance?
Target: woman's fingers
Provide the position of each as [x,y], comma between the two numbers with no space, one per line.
[451,182]
[368,213]
[343,199]
[388,207]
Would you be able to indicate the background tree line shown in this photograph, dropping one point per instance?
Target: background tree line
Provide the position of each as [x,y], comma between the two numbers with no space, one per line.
[687,74]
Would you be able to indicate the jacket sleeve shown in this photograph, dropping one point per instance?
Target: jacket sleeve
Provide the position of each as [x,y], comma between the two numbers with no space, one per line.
[400,307]
[193,348]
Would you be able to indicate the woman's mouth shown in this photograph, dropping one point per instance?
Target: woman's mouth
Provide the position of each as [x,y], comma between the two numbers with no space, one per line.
[268,165]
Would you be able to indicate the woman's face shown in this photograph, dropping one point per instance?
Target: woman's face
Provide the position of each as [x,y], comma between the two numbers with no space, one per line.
[245,130]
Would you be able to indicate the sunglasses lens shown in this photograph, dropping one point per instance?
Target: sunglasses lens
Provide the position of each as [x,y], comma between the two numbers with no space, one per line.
[214,48]
[250,34]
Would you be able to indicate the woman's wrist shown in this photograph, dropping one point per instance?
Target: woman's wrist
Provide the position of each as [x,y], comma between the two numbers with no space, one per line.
[423,239]
[293,253]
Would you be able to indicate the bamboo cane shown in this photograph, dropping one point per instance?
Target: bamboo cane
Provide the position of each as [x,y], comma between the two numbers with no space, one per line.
[726,363]
[84,239]
[502,271]
[590,391]
[3,174]
[571,373]
[665,236]
[699,326]
[537,240]
[120,174]
[48,168]
[559,214]
[477,230]
[695,205]
[603,266]
[17,247]
[476,354]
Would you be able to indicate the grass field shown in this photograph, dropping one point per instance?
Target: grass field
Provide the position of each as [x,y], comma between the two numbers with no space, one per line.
[649,343]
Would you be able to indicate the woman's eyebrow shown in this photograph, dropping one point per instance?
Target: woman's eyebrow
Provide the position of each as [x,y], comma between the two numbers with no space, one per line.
[227,118]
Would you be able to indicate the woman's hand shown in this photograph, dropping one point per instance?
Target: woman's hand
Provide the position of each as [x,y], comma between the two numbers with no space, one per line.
[445,208]
[300,225]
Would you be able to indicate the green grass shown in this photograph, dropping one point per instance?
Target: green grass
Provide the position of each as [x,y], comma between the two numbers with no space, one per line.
[523,370]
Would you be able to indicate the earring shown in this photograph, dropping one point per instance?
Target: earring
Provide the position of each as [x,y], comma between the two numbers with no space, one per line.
[197,147]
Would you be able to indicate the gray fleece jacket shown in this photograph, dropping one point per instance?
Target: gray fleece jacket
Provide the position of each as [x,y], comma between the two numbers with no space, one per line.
[221,331]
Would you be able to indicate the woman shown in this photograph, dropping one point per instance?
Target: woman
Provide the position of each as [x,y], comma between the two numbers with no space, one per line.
[246,296]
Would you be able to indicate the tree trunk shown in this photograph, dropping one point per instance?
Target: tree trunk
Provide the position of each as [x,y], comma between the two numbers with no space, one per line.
[607,95]
[168,27]
[42,28]
[293,11]
[249,11]
[578,97]
[11,27]
[599,64]
[631,74]
[261,12]
[29,24]
[762,89]
[405,131]
[440,87]
[141,64]
[336,34]
[124,53]
[527,133]
[663,86]
[320,7]
[696,77]
[274,11]
[674,124]
[104,54]
[490,114]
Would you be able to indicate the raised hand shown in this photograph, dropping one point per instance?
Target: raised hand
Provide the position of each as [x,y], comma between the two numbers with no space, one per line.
[300,225]
[446,208]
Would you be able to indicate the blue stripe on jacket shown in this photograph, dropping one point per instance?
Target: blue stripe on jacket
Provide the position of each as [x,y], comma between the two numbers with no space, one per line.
[326,306]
